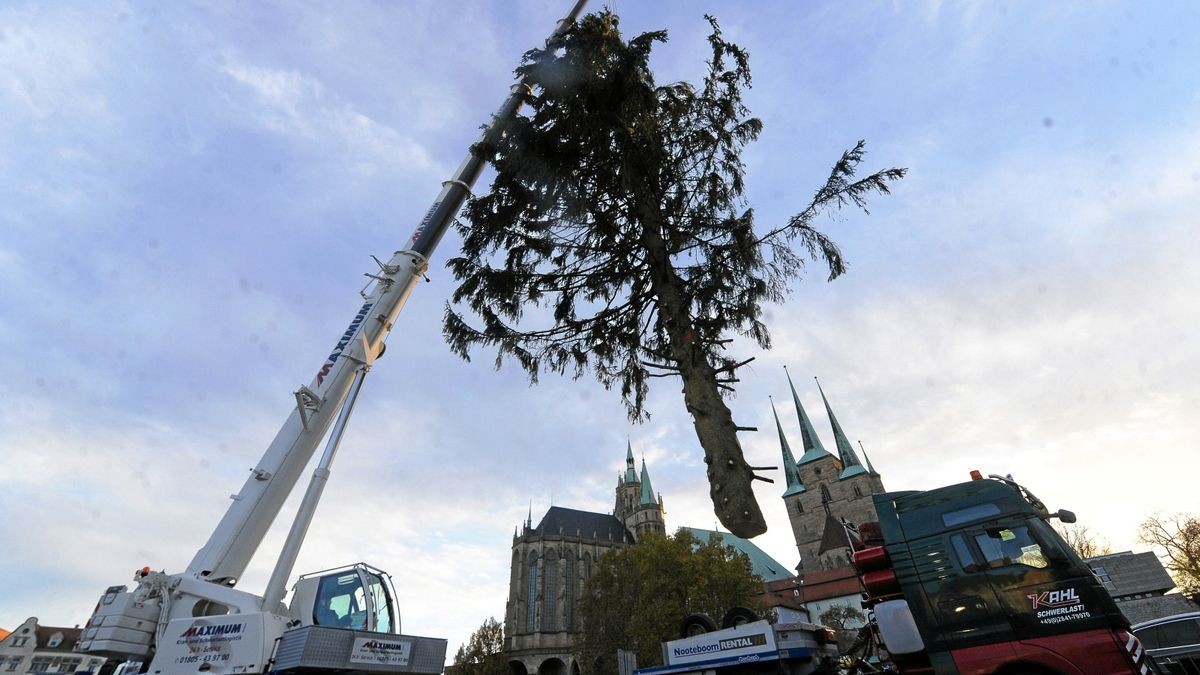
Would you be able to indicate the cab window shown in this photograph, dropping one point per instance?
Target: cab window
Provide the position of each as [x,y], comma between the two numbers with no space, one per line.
[341,602]
[1010,546]
[380,603]
[966,561]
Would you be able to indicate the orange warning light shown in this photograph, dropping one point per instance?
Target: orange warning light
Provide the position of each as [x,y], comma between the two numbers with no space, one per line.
[975,475]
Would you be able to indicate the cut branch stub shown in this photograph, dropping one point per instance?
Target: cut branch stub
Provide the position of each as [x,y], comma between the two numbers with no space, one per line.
[730,479]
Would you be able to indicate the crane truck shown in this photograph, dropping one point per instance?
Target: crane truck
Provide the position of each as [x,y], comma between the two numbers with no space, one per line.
[344,619]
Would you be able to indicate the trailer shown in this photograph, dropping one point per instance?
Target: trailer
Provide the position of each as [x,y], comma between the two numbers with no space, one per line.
[758,647]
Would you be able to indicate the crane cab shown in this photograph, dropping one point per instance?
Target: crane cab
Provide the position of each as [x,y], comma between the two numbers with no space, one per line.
[356,597]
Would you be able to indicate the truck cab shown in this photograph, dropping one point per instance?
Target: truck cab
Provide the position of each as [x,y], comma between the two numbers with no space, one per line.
[971,578]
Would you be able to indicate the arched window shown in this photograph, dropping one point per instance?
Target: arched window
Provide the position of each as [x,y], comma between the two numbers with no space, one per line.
[569,591]
[825,498]
[550,592]
[532,603]
[857,491]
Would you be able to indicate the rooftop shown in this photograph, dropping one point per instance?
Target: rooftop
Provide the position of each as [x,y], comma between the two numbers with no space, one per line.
[586,524]
[763,565]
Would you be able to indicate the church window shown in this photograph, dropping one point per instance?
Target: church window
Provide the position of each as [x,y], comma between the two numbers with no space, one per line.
[569,591]
[825,495]
[799,507]
[549,594]
[531,620]
[857,491]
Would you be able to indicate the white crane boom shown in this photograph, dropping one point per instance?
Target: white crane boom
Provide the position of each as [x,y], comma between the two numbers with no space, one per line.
[196,621]
[229,549]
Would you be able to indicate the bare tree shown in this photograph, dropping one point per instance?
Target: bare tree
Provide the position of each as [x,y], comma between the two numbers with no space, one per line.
[1084,541]
[1177,539]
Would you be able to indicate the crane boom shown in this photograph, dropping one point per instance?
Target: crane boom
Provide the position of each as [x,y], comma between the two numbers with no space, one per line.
[225,555]
[195,621]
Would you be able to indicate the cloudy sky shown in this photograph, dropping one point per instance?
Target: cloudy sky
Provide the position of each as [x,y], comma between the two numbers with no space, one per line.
[191,192]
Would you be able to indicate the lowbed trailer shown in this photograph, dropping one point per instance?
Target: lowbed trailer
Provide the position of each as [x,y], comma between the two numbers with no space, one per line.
[758,647]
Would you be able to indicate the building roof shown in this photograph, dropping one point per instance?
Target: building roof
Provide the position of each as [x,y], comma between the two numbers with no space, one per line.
[763,565]
[4,633]
[790,471]
[1127,573]
[850,464]
[825,584]
[69,636]
[1144,609]
[813,450]
[586,524]
[647,490]
[630,472]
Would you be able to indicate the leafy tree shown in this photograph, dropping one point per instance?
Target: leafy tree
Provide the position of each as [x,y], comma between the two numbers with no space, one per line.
[1177,538]
[845,621]
[617,223]
[638,596]
[484,652]
[1085,543]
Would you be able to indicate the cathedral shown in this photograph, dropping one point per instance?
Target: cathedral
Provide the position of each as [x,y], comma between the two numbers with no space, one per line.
[552,560]
[540,620]
[824,489]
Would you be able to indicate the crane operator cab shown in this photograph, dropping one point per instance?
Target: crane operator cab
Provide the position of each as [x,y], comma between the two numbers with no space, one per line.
[357,597]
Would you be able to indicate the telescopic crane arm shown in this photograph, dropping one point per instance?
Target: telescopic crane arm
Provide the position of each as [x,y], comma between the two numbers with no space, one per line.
[225,556]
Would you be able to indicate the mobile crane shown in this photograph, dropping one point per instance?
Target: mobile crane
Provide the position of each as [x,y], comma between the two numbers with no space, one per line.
[341,620]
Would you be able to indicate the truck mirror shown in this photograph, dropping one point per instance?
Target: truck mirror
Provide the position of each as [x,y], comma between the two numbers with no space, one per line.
[1064,515]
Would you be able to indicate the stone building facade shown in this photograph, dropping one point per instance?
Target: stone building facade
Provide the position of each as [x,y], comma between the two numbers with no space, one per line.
[824,489]
[552,561]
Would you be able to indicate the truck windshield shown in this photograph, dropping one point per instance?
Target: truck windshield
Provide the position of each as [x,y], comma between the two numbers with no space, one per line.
[1011,546]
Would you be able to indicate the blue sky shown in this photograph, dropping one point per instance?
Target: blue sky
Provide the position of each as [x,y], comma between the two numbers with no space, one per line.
[191,193]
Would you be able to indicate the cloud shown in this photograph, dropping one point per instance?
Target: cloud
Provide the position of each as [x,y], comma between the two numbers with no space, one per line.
[293,104]
[53,66]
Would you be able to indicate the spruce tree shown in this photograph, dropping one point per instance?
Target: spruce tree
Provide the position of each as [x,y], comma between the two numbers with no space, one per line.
[616,238]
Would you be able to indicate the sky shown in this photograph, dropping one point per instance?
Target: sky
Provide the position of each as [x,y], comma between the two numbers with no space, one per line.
[191,193]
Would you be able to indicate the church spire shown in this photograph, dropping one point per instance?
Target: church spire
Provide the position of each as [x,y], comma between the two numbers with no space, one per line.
[870,469]
[630,471]
[850,464]
[790,470]
[647,491]
[813,450]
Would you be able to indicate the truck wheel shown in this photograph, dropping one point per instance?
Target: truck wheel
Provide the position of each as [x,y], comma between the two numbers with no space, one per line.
[737,616]
[697,624]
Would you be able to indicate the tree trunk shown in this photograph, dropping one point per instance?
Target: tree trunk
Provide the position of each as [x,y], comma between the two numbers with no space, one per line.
[730,478]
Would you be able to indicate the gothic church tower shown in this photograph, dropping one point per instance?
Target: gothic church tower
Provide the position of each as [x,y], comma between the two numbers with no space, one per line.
[823,489]
[637,506]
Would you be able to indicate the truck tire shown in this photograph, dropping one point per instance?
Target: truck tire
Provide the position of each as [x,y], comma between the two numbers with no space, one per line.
[697,624]
[737,616]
